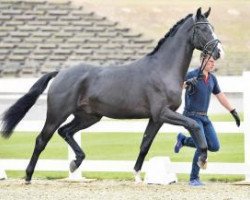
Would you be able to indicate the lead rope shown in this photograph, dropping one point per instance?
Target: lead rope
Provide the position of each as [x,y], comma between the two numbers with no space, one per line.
[202,67]
[192,90]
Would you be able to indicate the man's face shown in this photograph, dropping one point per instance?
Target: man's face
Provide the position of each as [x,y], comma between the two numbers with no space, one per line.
[210,66]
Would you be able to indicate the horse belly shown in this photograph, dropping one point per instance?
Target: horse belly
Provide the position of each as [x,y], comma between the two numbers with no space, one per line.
[121,111]
[121,114]
[117,100]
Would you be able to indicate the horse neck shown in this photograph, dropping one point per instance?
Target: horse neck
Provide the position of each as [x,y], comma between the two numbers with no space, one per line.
[176,53]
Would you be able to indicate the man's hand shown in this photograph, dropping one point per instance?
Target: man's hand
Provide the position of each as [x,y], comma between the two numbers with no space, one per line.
[236,117]
[191,82]
[190,85]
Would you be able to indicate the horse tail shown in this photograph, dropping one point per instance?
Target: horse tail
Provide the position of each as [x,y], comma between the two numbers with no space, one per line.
[17,111]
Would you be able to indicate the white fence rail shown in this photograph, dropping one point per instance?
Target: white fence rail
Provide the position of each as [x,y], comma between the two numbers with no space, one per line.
[122,166]
[14,88]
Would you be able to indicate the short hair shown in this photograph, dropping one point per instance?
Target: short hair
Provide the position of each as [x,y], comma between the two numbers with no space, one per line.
[203,55]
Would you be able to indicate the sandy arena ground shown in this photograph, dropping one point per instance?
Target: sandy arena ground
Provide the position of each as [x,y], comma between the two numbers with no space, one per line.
[118,190]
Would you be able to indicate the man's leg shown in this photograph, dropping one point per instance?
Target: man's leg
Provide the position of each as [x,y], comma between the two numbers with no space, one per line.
[213,145]
[183,140]
[211,137]
[194,176]
[188,141]
[171,117]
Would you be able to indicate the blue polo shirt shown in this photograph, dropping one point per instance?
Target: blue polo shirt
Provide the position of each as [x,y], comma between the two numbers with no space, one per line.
[200,99]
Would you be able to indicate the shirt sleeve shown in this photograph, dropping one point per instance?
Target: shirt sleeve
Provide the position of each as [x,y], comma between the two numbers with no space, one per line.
[216,89]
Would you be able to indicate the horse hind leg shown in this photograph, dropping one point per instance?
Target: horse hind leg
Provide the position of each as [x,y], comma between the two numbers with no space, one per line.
[67,132]
[41,142]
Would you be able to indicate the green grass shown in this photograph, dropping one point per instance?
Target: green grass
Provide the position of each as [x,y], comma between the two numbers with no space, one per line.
[224,117]
[119,176]
[21,145]
[118,146]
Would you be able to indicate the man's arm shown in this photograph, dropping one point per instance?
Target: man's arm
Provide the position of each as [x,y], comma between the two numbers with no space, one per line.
[224,101]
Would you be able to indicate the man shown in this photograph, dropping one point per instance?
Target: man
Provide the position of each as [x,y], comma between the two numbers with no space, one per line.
[199,86]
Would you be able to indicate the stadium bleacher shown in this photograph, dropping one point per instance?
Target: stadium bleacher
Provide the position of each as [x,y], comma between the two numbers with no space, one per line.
[40,36]
[37,37]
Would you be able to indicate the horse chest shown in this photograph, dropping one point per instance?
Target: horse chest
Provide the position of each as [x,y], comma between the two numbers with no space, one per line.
[171,90]
[172,93]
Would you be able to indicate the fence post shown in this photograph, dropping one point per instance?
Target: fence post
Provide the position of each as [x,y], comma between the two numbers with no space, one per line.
[246,106]
[76,175]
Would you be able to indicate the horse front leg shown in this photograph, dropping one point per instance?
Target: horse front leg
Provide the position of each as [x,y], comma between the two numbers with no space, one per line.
[148,137]
[171,117]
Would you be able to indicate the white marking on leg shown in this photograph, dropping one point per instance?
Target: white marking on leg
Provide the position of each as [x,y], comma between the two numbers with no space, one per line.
[137,176]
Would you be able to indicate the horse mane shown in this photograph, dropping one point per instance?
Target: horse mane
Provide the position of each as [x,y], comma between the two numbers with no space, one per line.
[170,33]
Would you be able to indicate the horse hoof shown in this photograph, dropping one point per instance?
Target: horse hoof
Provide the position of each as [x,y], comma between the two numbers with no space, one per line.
[137,176]
[138,180]
[72,166]
[27,182]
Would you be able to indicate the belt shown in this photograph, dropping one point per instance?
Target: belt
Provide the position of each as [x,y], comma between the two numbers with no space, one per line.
[195,113]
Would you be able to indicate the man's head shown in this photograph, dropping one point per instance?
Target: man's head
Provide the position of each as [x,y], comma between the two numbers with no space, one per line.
[209,61]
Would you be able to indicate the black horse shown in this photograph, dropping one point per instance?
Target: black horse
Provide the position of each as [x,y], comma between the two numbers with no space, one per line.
[150,87]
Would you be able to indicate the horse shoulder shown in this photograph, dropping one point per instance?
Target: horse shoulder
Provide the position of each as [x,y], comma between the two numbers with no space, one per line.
[173,95]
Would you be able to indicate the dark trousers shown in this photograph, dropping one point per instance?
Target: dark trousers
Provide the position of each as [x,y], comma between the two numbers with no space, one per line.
[212,141]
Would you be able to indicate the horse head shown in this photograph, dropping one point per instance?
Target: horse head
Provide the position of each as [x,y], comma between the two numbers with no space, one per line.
[204,38]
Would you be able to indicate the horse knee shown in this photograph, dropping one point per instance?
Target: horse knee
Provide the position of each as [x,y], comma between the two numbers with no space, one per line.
[194,127]
[214,148]
[40,144]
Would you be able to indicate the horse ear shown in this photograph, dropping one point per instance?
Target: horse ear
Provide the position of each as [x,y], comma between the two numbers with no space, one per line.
[198,13]
[206,14]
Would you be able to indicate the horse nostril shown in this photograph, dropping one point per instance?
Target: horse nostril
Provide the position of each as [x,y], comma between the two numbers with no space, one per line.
[219,53]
